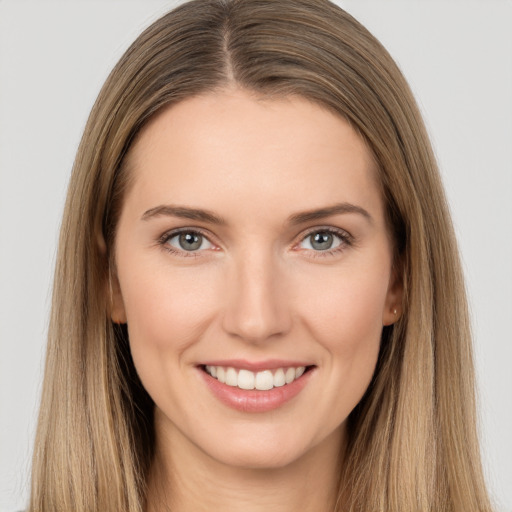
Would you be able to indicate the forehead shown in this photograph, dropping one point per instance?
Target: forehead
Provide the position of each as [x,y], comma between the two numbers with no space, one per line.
[235,145]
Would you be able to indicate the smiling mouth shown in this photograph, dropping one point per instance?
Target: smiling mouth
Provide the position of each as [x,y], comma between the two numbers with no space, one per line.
[262,380]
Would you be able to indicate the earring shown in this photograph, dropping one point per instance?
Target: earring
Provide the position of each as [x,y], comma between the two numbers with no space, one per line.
[394,311]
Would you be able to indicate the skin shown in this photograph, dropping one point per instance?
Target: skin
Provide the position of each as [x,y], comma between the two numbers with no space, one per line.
[256,289]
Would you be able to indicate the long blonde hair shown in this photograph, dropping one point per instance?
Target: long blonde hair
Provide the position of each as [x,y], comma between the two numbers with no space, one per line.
[412,439]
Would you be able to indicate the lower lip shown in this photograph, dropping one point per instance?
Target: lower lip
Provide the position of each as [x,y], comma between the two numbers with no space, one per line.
[254,400]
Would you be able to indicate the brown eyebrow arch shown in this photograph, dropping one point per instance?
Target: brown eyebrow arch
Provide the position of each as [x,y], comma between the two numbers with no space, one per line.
[183,212]
[321,213]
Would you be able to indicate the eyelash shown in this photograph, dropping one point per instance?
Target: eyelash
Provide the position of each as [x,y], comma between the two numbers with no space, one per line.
[162,241]
[346,240]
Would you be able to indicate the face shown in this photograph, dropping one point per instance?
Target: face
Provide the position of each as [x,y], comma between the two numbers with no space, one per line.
[254,271]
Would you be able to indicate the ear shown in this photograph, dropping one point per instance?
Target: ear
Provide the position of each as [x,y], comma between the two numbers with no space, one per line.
[116,304]
[393,305]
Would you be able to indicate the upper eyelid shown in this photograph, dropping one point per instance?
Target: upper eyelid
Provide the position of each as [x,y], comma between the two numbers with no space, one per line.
[343,233]
[171,233]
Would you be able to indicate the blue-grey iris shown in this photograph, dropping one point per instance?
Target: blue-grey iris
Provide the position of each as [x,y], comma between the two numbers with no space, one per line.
[190,241]
[322,240]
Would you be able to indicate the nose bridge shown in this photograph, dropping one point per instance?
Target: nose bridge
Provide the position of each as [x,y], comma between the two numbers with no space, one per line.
[256,304]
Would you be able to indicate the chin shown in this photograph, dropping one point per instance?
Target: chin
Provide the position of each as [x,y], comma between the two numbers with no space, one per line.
[259,451]
[255,459]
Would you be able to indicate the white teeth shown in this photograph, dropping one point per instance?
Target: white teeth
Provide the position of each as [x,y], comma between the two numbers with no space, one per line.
[221,374]
[289,375]
[245,379]
[231,377]
[279,379]
[263,380]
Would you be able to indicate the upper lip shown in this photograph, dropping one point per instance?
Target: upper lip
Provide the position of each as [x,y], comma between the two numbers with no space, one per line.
[256,366]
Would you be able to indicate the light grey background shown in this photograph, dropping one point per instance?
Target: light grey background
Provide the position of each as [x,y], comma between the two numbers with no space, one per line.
[54,56]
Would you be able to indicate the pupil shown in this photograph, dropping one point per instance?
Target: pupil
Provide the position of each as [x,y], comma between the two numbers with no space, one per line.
[321,241]
[190,241]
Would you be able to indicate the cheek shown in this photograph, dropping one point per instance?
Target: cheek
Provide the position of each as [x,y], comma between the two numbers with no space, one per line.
[346,305]
[346,319]
[167,310]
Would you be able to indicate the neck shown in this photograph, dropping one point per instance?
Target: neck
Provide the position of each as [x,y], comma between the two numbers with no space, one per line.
[185,479]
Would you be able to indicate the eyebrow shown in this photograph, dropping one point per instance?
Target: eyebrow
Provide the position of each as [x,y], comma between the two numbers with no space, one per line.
[322,213]
[184,212]
[209,217]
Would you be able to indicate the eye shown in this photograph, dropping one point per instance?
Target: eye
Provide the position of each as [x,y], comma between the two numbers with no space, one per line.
[188,241]
[324,240]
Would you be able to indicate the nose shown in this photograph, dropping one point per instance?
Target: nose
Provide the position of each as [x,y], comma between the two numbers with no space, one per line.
[257,306]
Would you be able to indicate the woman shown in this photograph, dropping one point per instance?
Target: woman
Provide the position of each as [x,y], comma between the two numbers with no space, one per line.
[258,300]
